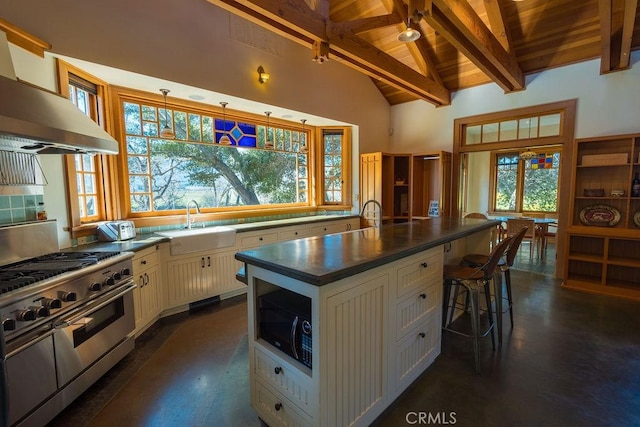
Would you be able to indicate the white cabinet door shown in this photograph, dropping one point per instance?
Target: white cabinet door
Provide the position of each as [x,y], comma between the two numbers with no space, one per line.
[187,280]
[147,297]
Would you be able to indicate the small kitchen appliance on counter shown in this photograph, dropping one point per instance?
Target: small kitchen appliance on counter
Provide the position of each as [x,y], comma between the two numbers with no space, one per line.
[116,230]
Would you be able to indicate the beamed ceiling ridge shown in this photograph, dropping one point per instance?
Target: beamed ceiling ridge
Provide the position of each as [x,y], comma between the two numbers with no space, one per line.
[462,44]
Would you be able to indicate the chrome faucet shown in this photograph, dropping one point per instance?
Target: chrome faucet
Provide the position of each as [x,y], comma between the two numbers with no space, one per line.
[189,220]
[377,203]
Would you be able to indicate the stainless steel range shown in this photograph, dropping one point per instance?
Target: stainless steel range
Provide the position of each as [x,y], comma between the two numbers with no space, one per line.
[67,318]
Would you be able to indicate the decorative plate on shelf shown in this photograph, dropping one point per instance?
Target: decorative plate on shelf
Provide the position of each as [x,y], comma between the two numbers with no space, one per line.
[600,215]
[636,218]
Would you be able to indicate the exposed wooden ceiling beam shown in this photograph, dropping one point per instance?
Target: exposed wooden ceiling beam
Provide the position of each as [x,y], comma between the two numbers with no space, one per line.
[462,27]
[365,24]
[380,65]
[617,18]
[496,15]
[295,20]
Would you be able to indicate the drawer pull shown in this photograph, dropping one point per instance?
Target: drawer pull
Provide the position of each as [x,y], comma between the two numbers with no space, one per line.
[278,406]
[277,370]
[424,265]
[296,233]
[422,334]
[423,296]
[143,262]
[260,239]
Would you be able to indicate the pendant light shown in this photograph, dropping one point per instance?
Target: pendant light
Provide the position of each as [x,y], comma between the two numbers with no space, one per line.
[528,155]
[408,35]
[166,132]
[268,141]
[224,139]
[303,145]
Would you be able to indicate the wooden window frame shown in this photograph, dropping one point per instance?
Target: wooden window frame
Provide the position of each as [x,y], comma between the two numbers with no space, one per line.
[520,176]
[118,95]
[104,165]
[346,168]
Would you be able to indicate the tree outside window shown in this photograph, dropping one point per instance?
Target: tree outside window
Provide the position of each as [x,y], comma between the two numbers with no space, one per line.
[164,175]
[526,185]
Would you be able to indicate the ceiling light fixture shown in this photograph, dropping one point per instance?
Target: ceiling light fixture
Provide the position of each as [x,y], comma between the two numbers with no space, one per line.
[263,76]
[224,139]
[528,154]
[303,138]
[166,132]
[414,15]
[268,141]
[409,35]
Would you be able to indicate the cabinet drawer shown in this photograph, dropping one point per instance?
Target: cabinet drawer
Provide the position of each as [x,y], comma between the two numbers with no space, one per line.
[259,239]
[276,409]
[420,270]
[145,259]
[294,234]
[328,229]
[417,306]
[416,351]
[284,378]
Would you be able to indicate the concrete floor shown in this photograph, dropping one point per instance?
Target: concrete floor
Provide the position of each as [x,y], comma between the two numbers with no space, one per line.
[570,360]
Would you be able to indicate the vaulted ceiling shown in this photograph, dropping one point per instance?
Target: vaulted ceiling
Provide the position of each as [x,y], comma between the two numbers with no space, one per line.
[462,44]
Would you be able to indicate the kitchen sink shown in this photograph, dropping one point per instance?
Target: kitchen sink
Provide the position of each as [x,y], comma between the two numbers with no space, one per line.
[199,239]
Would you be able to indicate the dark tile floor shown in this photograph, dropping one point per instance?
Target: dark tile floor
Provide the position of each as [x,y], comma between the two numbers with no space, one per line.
[571,359]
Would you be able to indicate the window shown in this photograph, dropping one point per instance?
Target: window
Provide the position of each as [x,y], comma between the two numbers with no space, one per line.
[333,171]
[529,127]
[85,172]
[526,185]
[163,175]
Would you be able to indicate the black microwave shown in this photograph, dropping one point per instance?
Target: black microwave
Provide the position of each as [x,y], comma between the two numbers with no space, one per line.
[284,319]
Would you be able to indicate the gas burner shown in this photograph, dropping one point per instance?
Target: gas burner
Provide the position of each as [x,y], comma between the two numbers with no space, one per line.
[24,273]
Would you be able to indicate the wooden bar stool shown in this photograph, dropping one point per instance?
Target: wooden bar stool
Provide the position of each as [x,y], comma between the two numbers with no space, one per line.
[472,282]
[504,264]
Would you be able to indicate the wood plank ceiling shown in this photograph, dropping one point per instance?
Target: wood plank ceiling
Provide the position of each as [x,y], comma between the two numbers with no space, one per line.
[463,43]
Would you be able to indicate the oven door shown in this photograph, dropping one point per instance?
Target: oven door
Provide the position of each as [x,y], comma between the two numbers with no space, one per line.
[85,336]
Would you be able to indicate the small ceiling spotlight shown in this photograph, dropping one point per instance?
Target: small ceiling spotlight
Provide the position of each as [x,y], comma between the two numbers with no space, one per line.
[263,76]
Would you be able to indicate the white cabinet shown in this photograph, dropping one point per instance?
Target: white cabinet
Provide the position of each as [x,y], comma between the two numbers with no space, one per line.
[147,296]
[200,276]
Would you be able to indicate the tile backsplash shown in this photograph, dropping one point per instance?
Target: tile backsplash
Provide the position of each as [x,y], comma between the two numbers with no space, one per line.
[19,208]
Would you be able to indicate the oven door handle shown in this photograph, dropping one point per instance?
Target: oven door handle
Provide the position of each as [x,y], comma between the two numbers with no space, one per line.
[130,286]
[30,343]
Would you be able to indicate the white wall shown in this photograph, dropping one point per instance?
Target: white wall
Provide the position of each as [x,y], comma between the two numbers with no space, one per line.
[607,104]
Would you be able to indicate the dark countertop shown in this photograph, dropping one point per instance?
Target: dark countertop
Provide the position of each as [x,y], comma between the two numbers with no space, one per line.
[324,259]
[143,241]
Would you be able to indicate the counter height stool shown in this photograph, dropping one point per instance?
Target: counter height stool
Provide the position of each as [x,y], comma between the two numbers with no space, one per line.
[473,281]
[477,260]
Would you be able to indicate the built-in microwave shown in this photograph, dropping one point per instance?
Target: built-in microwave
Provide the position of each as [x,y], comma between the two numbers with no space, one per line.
[285,322]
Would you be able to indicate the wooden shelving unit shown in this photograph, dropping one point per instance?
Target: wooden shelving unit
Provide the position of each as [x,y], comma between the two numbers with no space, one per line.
[605,258]
[406,183]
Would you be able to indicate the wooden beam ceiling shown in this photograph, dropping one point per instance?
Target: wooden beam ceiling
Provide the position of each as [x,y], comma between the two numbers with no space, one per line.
[296,21]
[617,19]
[462,27]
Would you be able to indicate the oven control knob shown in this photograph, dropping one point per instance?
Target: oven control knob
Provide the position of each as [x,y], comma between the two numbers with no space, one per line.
[95,287]
[26,315]
[126,272]
[68,297]
[41,311]
[52,303]
[109,281]
[8,325]
[117,276]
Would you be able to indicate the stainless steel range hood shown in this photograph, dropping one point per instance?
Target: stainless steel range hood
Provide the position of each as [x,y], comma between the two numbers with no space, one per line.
[40,121]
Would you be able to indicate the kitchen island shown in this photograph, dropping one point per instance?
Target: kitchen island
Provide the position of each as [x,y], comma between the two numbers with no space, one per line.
[357,317]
